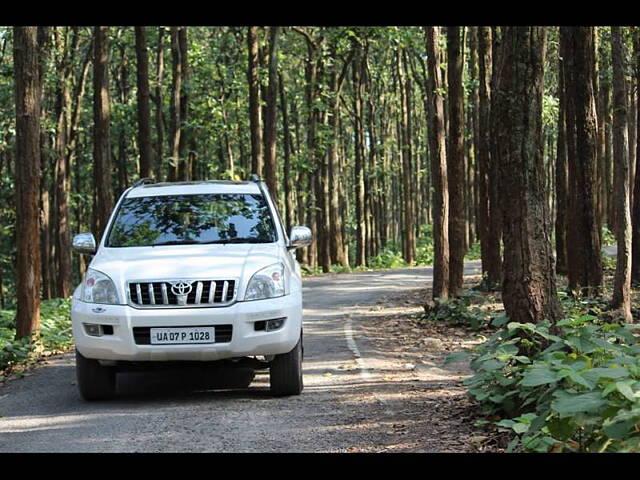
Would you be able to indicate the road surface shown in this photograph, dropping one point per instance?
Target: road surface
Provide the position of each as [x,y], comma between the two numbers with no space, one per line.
[349,403]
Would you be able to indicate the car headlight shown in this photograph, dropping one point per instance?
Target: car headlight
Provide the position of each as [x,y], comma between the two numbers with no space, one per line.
[98,288]
[266,283]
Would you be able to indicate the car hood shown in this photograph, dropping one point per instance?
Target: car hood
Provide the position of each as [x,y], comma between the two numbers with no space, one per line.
[217,261]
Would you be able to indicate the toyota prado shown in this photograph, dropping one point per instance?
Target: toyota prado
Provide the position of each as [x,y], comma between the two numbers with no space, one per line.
[190,272]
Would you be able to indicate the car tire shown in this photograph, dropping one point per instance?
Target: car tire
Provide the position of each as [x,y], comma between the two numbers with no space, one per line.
[95,381]
[285,373]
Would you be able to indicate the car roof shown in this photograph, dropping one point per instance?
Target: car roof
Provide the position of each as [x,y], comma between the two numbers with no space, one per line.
[193,188]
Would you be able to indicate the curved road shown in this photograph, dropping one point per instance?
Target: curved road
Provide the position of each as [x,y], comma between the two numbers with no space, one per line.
[347,404]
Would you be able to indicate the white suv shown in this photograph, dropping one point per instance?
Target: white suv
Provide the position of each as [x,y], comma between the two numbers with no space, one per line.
[190,272]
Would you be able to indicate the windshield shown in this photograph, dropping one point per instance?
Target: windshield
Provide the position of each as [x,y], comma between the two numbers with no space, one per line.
[192,219]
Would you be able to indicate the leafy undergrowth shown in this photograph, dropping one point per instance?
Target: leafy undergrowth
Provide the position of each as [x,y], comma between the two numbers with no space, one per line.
[472,310]
[55,336]
[572,388]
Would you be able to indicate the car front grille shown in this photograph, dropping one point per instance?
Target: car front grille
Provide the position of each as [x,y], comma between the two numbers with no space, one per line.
[202,293]
[142,335]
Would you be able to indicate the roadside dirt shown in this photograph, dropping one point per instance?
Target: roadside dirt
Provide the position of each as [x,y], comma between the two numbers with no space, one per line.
[437,415]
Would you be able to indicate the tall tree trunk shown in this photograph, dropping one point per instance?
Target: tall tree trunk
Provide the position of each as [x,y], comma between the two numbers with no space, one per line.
[635,254]
[529,288]
[493,181]
[455,162]
[255,114]
[176,88]
[490,209]
[270,161]
[62,234]
[159,117]
[408,180]
[622,282]
[122,84]
[187,158]
[359,160]
[144,110]
[632,126]
[287,147]
[437,155]
[45,208]
[336,239]
[584,261]
[28,94]
[101,132]
[561,178]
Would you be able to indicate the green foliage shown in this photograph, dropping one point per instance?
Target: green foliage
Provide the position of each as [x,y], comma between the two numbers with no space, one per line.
[608,238]
[474,252]
[55,334]
[575,389]
[460,311]
[387,258]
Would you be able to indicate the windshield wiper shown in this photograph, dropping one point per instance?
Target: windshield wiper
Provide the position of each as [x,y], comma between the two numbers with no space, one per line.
[176,242]
[237,240]
[219,241]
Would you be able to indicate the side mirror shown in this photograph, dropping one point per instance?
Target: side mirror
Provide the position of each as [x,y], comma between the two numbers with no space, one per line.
[300,237]
[84,243]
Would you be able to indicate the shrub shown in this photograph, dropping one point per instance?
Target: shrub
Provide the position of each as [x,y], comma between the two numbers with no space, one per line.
[389,257]
[460,311]
[55,334]
[573,390]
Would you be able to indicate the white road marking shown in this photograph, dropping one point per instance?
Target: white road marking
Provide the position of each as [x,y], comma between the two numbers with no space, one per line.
[363,367]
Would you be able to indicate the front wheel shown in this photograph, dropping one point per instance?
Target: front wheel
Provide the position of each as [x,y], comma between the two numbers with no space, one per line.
[285,373]
[95,381]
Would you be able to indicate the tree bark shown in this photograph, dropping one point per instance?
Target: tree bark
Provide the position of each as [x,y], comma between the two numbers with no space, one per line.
[101,132]
[27,96]
[490,216]
[529,287]
[287,148]
[255,114]
[187,158]
[622,281]
[455,162]
[144,110]
[408,180]
[635,251]
[159,116]
[270,161]
[584,261]
[176,88]
[62,234]
[437,155]
[561,178]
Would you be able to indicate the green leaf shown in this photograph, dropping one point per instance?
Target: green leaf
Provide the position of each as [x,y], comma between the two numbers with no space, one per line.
[491,365]
[625,389]
[617,430]
[566,404]
[538,375]
[576,377]
[561,428]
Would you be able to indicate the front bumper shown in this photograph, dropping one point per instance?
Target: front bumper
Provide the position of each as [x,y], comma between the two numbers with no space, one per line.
[245,340]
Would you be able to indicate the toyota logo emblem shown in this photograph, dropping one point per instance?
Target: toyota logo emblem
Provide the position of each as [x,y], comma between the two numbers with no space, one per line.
[181,288]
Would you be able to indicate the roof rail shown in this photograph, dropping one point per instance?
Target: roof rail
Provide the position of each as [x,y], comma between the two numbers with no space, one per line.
[255,178]
[143,181]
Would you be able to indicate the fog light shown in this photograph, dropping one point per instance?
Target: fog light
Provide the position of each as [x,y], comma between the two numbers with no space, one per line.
[275,324]
[93,329]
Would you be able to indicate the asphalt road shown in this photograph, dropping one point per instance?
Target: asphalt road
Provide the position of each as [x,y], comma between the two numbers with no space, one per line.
[345,405]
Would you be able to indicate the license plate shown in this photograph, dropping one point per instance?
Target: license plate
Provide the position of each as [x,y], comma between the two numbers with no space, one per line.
[167,336]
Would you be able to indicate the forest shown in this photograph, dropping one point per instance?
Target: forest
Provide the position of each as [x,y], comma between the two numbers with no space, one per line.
[395,145]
